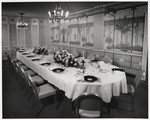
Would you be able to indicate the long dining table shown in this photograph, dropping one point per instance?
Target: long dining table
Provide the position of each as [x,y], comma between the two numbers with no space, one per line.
[71,80]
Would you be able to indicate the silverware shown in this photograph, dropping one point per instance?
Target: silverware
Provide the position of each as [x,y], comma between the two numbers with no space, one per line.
[81,81]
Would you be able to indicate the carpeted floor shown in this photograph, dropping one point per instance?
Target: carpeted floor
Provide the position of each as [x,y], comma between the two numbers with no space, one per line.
[16,105]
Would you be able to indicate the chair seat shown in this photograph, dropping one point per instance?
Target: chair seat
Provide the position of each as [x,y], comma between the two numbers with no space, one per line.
[15,60]
[37,79]
[30,72]
[45,91]
[87,113]
[18,62]
[24,67]
[130,88]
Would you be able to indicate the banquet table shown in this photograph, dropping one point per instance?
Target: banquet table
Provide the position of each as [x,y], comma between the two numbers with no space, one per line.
[71,80]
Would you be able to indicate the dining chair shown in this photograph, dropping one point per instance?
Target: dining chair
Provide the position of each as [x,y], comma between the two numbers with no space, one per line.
[39,93]
[116,63]
[9,60]
[107,59]
[89,106]
[22,84]
[132,87]
[35,77]
[91,56]
[11,64]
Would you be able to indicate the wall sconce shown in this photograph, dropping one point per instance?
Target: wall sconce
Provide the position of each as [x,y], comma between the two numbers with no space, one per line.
[83,15]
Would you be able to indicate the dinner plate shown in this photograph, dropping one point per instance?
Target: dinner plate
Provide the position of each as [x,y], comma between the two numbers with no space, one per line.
[90,78]
[37,59]
[94,60]
[58,70]
[118,69]
[31,56]
[21,50]
[45,64]
[25,53]
[103,70]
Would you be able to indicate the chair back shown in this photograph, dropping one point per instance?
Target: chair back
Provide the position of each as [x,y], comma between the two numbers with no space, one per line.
[18,68]
[24,75]
[8,57]
[33,86]
[107,59]
[90,102]
[13,64]
[138,78]
[116,63]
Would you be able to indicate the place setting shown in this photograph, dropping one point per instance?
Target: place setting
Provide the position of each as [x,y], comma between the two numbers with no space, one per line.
[36,59]
[57,70]
[31,56]
[22,50]
[46,63]
[26,53]
[90,79]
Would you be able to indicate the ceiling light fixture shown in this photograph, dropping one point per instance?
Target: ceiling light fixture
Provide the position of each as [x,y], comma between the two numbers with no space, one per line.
[58,14]
[21,24]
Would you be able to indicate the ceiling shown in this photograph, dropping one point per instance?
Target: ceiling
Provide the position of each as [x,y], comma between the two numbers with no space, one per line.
[40,9]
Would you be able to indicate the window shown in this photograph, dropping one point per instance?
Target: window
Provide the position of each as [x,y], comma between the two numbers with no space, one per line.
[124,30]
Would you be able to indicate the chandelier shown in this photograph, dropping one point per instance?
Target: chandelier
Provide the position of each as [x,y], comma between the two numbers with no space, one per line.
[21,24]
[58,14]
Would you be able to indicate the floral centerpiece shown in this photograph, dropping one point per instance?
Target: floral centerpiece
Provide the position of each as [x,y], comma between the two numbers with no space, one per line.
[40,49]
[65,58]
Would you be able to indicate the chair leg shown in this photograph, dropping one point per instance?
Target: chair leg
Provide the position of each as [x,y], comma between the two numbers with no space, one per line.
[55,99]
[108,109]
[39,112]
[29,97]
[132,103]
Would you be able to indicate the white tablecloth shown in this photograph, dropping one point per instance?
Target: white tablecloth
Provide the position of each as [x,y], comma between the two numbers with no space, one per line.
[112,84]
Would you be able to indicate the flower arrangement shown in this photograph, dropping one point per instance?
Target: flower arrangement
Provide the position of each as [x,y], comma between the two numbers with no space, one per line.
[66,59]
[55,41]
[40,49]
[89,44]
[75,42]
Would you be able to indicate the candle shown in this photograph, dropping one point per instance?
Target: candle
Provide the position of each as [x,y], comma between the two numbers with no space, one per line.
[54,49]
[83,54]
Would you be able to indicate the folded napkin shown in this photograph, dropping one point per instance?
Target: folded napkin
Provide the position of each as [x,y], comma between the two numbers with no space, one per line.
[47,63]
[103,65]
[31,56]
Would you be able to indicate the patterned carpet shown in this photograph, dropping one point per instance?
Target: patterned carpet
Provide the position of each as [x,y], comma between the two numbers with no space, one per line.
[16,105]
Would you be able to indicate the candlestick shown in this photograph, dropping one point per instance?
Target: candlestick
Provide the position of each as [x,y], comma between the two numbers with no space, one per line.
[83,54]
[54,49]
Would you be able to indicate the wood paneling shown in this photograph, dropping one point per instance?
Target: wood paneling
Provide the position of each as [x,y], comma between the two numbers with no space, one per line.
[21,39]
[35,35]
[41,35]
[98,31]
[28,37]
[13,37]
[5,35]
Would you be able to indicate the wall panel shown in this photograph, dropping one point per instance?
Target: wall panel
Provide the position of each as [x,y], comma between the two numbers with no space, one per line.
[28,37]
[41,35]
[5,40]
[13,35]
[34,35]
[98,31]
[21,38]
[5,35]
